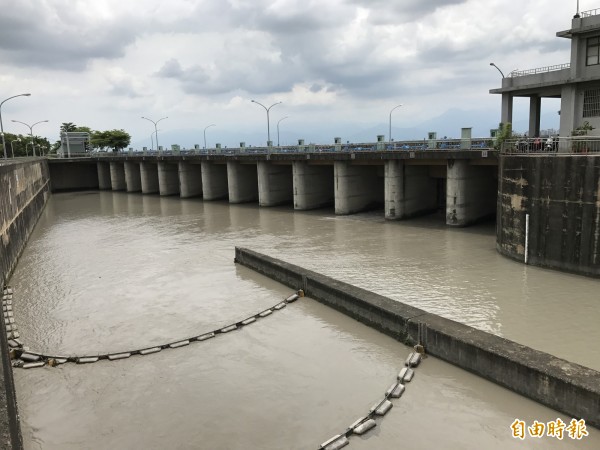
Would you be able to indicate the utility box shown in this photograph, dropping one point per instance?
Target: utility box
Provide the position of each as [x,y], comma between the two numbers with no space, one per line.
[300,145]
[338,144]
[380,142]
[432,140]
[242,147]
[465,138]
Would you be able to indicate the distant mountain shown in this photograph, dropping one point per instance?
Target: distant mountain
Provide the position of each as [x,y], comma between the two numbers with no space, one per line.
[447,124]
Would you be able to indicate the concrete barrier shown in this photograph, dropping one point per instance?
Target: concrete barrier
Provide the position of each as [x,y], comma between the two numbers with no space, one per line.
[562,385]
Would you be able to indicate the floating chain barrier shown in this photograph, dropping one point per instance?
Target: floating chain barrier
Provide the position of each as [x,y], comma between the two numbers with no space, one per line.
[23,357]
[367,422]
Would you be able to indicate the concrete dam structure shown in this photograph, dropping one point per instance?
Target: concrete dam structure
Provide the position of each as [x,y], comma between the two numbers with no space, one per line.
[462,183]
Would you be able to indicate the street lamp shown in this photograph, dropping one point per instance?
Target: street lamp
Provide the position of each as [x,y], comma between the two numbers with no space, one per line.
[283,118]
[268,122]
[30,131]
[155,128]
[1,126]
[395,107]
[11,146]
[498,68]
[211,125]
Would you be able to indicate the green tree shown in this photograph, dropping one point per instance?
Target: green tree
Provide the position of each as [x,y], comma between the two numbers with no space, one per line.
[68,127]
[113,139]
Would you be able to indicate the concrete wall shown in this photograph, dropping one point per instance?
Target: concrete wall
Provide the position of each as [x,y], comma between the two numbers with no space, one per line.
[242,180]
[214,181]
[275,183]
[117,176]
[564,386]
[168,178]
[190,179]
[73,175]
[149,177]
[561,194]
[312,185]
[357,188]
[104,175]
[470,193]
[25,191]
[409,190]
[133,177]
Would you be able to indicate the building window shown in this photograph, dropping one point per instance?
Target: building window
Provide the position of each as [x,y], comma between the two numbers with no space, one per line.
[593,51]
[591,103]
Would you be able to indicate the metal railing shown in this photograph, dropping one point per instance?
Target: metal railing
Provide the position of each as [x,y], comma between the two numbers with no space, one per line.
[396,146]
[590,12]
[520,73]
[556,145]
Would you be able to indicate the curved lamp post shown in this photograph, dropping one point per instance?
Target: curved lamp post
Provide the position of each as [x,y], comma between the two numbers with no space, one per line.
[498,68]
[207,127]
[2,126]
[155,128]
[11,146]
[283,118]
[268,122]
[30,131]
[390,130]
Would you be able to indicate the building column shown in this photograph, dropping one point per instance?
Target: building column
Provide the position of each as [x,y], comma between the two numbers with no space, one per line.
[190,179]
[357,188]
[104,175]
[214,181]
[568,101]
[149,176]
[133,178]
[535,110]
[242,180]
[168,178]
[275,183]
[507,108]
[471,192]
[409,190]
[117,176]
[313,185]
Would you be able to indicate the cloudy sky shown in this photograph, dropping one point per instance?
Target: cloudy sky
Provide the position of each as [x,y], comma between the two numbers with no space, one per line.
[337,66]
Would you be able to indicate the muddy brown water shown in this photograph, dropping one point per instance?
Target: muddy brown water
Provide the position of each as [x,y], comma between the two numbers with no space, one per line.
[106,272]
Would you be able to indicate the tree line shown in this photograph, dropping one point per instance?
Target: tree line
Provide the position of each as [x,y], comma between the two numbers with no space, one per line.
[114,140]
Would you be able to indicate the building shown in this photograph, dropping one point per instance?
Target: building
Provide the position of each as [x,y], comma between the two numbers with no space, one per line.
[576,83]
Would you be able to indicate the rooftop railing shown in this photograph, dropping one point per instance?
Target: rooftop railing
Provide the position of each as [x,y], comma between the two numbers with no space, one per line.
[520,73]
[590,13]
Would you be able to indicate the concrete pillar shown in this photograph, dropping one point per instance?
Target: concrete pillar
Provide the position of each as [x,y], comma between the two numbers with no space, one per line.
[117,176]
[149,175]
[568,106]
[275,184]
[357,188]
[470,192]
[242,180]
[104,175]
[535,110]
[507,108]
[313,185]
[409,190]
[133,178]
[190,179]
[214,181]
[168,178]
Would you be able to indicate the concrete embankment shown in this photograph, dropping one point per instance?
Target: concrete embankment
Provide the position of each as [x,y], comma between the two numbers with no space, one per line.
[564,386]
[24,191]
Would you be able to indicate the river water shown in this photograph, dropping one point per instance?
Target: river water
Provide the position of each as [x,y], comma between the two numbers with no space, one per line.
[107,272]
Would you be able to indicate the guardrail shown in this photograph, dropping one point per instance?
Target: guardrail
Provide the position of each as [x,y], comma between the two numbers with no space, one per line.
[520,73]
[417,145]
[563,145]
[590,12]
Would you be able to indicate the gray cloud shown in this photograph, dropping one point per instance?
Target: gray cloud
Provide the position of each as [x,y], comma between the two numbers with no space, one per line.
[54,36]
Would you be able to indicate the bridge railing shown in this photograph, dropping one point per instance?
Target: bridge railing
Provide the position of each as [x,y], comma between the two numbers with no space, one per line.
[520,73]
[395,146]
[563,145]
